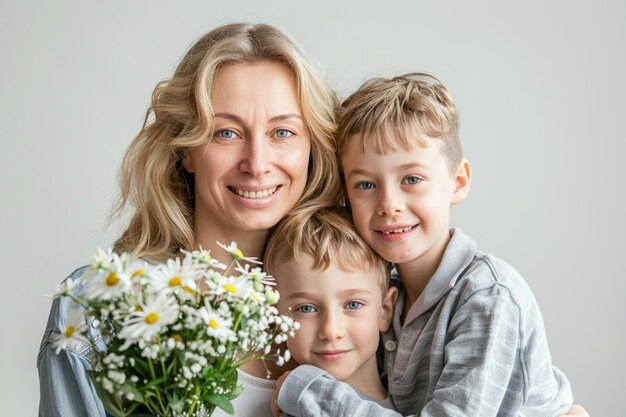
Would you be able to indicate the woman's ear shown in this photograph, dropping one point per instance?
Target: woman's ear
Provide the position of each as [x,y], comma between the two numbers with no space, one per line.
[462,179]
[386,315]
[188,162]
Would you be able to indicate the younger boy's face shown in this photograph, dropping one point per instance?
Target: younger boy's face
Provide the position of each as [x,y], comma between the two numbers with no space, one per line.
[400,201]
[340,314]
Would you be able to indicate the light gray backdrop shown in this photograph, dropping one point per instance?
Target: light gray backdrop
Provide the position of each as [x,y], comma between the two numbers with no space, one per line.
[540,86]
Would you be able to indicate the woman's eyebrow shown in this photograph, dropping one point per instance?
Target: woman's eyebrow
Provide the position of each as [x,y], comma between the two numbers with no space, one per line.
[238,119]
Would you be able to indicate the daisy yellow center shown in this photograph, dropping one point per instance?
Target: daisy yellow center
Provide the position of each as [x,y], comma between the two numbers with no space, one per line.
[152,318]
[213,324]
[112,279]
[189,290]
[230,288]
[239,253]
[138,272]
[175,281]
[69,331]
[138,308]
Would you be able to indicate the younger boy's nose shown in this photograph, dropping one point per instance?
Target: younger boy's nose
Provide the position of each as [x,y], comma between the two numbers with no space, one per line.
[330,327]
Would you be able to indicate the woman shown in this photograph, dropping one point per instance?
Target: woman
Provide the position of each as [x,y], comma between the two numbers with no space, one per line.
[239,136]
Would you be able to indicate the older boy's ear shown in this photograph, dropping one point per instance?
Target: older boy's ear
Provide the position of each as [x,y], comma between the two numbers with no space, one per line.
[187,162]
[386,314]
[462,179]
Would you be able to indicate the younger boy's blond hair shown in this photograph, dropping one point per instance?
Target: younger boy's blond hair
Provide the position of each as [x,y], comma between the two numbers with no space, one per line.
[393,114]
[328,236]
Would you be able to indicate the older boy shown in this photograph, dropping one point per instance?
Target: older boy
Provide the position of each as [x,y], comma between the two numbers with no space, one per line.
[467,337]
[332,283]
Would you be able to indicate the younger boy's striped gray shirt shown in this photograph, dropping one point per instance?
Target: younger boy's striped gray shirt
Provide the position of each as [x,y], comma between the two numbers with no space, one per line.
[473,344]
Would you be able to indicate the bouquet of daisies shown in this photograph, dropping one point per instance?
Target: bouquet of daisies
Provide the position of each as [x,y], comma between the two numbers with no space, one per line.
[176,332]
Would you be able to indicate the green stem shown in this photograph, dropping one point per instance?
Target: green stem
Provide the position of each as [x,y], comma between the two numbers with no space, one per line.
[158,390]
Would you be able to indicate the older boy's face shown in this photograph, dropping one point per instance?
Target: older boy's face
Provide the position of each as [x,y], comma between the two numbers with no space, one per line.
[340,315]
[401,202]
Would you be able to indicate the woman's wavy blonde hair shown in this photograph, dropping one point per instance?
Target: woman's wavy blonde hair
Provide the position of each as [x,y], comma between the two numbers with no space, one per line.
[152,179]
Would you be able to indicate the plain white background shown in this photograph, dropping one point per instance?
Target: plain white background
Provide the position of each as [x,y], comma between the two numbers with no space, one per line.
[541,90]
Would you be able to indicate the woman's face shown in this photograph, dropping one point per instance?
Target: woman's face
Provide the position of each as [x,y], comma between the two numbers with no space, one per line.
[254,168]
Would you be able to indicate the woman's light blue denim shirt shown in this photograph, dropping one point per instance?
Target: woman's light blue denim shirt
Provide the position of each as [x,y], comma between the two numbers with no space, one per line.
[64,384]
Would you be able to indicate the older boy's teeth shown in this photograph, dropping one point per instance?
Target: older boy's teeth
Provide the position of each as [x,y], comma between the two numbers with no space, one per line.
[395,231]
[255,194]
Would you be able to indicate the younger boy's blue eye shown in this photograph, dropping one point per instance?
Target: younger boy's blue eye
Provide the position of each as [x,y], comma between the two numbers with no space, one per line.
[365,185]
[412,180]
[354,305]
[306,309]
[283,133]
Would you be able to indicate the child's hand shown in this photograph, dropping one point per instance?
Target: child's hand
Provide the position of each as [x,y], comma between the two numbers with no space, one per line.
[575,411]
[279,383]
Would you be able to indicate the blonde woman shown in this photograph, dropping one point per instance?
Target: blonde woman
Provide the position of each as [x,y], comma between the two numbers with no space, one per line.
[240,135]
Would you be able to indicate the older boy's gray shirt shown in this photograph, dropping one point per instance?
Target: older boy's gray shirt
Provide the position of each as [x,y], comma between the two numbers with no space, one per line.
[473,344]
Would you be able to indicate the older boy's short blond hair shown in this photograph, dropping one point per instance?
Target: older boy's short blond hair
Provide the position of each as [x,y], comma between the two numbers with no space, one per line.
[392,114]
[328,236]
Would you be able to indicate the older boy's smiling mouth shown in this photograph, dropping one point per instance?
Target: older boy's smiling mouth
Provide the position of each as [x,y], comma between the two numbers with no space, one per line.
[396,230]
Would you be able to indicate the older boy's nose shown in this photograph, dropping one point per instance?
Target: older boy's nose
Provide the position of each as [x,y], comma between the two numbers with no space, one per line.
[330,328]
[389,204]
[256,159]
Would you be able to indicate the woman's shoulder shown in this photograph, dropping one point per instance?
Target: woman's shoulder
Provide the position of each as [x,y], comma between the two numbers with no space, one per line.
[60,311]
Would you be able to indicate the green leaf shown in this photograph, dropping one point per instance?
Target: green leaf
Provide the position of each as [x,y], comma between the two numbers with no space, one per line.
[129,388]
[221,401]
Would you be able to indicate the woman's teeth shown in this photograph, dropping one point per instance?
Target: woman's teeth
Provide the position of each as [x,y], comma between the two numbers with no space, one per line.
[255,194]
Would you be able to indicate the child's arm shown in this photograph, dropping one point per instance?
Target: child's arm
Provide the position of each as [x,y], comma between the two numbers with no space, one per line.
[311,392]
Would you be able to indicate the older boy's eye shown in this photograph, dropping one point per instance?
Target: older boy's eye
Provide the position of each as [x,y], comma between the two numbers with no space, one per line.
[412,180]
[284,133]
[365,185]
[354,305]
[306,309]
[226,134]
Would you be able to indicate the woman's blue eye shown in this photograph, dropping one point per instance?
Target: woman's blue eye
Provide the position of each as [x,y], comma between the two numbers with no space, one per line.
[226,134]
[305,309]
[365,185]
[283,133]
[412,180]
[354,305]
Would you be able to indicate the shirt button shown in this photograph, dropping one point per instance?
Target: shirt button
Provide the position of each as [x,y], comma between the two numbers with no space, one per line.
[390,345]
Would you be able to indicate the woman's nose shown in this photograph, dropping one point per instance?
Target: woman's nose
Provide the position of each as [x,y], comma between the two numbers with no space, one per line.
[257,157]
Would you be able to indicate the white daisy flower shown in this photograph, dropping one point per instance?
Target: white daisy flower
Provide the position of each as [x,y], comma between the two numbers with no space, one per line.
[239,287]
[157,312]
[176,276]
[109,281]
[237,254]
[257,275]
[204,257]
[73,332]
[216,325]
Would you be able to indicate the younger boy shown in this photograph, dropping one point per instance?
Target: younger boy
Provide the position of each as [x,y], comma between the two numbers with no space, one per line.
[332,283]
[467,337]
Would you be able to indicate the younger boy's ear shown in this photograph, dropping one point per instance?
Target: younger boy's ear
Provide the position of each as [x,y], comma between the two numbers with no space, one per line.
[386,314]
[462,179]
